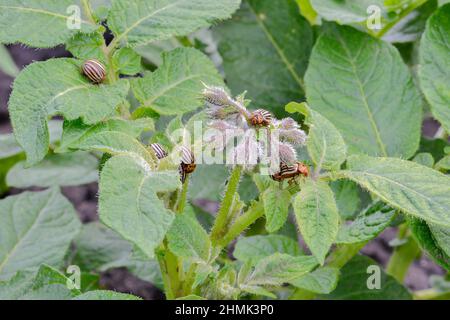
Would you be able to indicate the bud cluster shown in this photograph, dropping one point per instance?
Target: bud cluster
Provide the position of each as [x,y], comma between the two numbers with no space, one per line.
[265,140]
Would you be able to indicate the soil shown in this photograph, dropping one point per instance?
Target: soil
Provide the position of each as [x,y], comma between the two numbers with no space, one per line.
[84,199]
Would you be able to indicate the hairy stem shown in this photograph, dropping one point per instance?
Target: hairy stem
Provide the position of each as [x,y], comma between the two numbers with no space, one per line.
[403,255]
[255,212]
[183,196]
[219,227]
[160,254]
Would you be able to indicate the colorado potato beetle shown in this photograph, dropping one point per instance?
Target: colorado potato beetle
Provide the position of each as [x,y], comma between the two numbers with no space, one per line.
[260,118]
[291,171]
[187,164]
[159,150]
[94,70]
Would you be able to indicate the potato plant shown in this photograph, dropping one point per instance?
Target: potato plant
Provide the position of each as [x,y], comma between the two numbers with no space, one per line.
[339,89]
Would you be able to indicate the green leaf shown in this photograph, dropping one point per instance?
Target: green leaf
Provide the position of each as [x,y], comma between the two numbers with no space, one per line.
[105,295]
[443,164]
[76,132]
[57,87]
[208,182]
[255,248]
[346,12]
[138,22]
[374,105]
[45,284]
[425,159]
[87,46]
[188,240]
[55,170]
[175,87]
[99,248]
[40,23]
[276,207]
[433,239]
[367,225]
[405,185]
[317,217]
[325,145]
[7,64]
[9,146]
[434,67]
[118,143]
[323,280]
[347,197]
[257,290]
[5,165]
[265,50]
[442,236]
[280,268]
[126,61]
[354,279]
[129,204]
[308,11]
[152,52]
[37,227]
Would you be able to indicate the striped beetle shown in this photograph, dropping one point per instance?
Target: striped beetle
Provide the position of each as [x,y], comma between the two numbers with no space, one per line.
[159,151]
[260,118]
[94,70]
[287,172]
[187,164]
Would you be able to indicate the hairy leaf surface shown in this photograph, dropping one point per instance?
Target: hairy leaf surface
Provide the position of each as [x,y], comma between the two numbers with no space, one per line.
[129,204]
[55,170]
[45,284]
[41,23]
[326,147]
[187,239]
[323,280]
[280,268]
[36,228]
[257,247]
[175,87]
[367,225]
[363,87]
[276,207]
[265,50]
[434,68]
[138,22]
[76,132]
[317,217]
[405,185]
[56,87]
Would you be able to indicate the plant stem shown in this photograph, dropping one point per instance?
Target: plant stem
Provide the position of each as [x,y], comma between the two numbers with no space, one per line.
[403,255]
[403,14]
[112,75]
[183,196]
[160,253]
[243,222]
[219,227]
[343,254]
